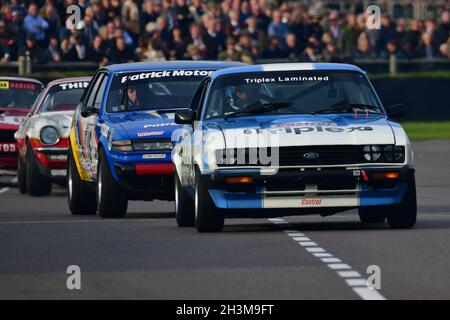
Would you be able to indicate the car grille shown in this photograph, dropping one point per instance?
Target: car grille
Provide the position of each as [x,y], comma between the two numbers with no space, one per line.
[326,155]
[7,136]
[297,156]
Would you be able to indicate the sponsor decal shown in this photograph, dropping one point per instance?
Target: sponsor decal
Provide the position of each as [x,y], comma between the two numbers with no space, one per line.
[4,85]
[17,85]
[154,156]
[165,74]
[301,130]
[22,85]
[299,124]
[151,133]
[286,79]
[57,157]
[74,85]
[157,125]
[311,202]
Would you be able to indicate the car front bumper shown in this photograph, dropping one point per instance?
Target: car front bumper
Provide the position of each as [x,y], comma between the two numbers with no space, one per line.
[312,189]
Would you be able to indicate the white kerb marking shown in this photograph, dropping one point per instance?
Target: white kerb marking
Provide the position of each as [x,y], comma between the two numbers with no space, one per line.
[368,294]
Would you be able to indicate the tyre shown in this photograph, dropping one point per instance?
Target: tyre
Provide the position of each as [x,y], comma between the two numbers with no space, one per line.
[80,197]
[184,205]
[375,214]
[404,215]
[37,184]
[112,201]
[208,218]
[21,175]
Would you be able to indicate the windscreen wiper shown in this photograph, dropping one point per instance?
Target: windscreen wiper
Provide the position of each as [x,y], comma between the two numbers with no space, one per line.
[345,106]
[258,107]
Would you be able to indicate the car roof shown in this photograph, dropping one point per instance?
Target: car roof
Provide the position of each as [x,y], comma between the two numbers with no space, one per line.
[21,79]
[171,65]
[286,67]
[66,80]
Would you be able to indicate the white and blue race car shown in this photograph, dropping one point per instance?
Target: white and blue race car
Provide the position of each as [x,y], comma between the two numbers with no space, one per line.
[291,139]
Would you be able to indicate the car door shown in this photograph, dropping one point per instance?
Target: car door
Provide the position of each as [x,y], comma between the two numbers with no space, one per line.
[89,121]
[188,147]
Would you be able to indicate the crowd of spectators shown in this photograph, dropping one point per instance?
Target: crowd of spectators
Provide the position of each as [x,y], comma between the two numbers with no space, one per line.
[117,31]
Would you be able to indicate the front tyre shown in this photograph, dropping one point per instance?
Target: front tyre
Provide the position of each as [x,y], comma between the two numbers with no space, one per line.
[80,197]
[184,205]
[37,184]
[404,215]
[208,218]
[21,175]
[112,201]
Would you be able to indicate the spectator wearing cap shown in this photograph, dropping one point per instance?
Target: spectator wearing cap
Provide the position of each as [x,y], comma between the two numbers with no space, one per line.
[35,25]
[309,55]
[278,29]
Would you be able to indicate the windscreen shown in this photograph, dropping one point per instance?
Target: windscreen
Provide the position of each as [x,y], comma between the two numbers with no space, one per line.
[64,96]
[291,92]
[18,94]
[154,90]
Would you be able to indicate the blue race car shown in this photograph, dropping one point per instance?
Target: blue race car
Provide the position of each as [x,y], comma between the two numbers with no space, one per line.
[292,139]
[120,141]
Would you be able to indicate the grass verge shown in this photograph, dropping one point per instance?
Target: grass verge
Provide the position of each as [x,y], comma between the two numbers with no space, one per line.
[427,130]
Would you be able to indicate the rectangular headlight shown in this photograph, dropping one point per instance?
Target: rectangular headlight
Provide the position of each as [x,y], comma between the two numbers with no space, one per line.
[152,145]
[122,145]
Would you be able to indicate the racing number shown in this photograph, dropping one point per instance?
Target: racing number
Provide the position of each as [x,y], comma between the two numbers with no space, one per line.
[7,147]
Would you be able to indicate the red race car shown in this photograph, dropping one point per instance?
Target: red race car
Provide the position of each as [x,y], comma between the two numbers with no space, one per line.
[17,96]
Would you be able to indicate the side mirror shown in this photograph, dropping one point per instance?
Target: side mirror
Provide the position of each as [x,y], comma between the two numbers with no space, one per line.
[184,117]
[396,110]
[87,111]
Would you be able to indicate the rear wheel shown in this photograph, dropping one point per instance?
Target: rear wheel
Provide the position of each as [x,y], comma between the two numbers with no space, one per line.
[374,214]
[184,205]
[404,215]
[112,201]
[80,197]
[37,184]
[208,218]
[21,175]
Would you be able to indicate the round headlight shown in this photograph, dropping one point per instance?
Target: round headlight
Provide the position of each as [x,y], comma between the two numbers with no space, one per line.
[393,153]
[372,153]
[49,135]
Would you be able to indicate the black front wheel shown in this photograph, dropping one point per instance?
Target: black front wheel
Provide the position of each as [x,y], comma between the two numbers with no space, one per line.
[37,184]
[208,218]
[80,197]
[112,201]
[184,205]
[404,215]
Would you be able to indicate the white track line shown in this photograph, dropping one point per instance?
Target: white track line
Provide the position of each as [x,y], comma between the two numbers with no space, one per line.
[353,279]
[76,221]
[4,190]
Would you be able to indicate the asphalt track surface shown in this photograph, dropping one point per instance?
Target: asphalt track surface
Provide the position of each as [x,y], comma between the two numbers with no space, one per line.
[146,256]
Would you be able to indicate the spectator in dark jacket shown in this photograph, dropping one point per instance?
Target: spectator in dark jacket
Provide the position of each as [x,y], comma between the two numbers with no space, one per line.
[121,53]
